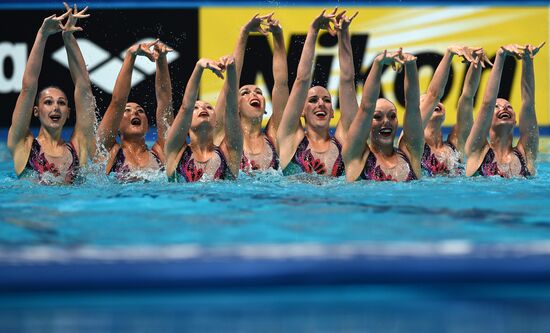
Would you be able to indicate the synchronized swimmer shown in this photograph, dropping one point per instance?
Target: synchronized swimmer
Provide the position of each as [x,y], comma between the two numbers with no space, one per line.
[203,142]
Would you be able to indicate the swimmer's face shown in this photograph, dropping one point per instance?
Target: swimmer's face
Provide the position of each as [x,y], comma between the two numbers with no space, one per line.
[52,109]
[251,101]
[318,108]
[439,111]
[134,120]
[203,115]
[384,122]
[503,115]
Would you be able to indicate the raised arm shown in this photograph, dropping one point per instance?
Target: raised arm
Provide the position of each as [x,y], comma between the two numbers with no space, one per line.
[177,134]
[464,117]
[290,131]
[19,136]
[253,25]
[83,135]
[280,93]
[346,91]
[528,127]
[477,139]
[110,123]
[163,92]
[232,145]
[412,140]
[356,149]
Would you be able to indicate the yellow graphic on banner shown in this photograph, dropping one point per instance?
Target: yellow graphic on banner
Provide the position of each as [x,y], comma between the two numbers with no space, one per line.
[425,31]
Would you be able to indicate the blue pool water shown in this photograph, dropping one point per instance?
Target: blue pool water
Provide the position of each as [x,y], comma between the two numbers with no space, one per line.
[270,253]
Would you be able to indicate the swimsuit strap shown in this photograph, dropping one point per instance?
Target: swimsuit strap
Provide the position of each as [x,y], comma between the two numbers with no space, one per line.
[118,164]
[186,165]
[488,166]
[303,155]
[338,168]
[157,158]
[275,158]
[524,172]
[223,171]
[372,171]
[411,175]
[453,147]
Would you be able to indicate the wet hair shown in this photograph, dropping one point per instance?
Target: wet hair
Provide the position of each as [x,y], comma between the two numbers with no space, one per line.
[37,99]
[384,98]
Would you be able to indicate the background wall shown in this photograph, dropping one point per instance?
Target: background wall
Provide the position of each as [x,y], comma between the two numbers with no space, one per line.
[211,31]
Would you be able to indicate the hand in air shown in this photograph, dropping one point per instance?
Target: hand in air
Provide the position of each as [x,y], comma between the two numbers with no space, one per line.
[324,20]
[273,26]
[481,58]
[255,23]
[531,50]
[73,16]
[160,50]
[467,53]
[514,50]
[52,24]
[144,49]
[343,22]
[216,67]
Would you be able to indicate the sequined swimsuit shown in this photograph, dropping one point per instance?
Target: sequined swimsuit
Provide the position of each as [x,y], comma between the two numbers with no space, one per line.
[305,161]
[38,163]
[489,166]
[247,165]
[371,171]
[432,166]
[186,169]
[122,169]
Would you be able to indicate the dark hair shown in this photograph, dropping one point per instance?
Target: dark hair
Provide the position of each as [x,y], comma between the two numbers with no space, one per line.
[37,99]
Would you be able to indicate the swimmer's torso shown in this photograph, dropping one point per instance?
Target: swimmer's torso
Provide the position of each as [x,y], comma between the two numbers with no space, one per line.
[264,160]
[52,169]
[327,163]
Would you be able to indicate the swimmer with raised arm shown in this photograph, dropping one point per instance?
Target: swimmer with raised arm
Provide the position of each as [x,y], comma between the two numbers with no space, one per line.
[201,159]
[444,157]
[259,147]
[47,155]
[132,156]
[377,120]
[312,149]
[496,119]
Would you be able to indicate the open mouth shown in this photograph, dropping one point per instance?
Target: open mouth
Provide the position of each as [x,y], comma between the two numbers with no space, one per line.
[204,114]
[135,121]
[320,114]
[438,109]
[55,117]
[504,115]
[255,103]
[386,132]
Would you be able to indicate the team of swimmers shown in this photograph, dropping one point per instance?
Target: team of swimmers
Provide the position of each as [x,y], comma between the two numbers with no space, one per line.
[203,142]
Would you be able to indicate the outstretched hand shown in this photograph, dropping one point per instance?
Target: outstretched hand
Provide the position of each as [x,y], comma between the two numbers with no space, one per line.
[73,16]
[160,50]
[515,50]
[342,21]
[144,49]
[481,58]
[217,67]
[52,24]
[273,25]
[324,20]
[467,53]
[531,50]
[255,23]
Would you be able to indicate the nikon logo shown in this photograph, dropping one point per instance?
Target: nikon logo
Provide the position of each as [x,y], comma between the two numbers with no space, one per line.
[104,67]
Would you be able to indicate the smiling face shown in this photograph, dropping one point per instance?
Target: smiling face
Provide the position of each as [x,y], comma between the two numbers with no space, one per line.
[318,108]
[384,123]
[251,102]
[134,121]
[504,116]
[203,115]
[52,108]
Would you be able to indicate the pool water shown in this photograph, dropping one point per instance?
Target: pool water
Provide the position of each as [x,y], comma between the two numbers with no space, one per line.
[273,253]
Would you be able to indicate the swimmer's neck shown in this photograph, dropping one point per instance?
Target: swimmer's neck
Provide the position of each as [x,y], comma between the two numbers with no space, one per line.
[252,127]
[501,144]
[202,138]
[433,136]
[133,146]
[385,150]
[50,137]
[317,134]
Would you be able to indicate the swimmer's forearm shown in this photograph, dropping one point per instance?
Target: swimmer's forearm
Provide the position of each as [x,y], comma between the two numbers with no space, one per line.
[346,90]
[436,89]
[280,91]
[163,92]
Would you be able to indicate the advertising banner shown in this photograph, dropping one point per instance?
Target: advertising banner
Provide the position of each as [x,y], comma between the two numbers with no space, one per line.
[423,31]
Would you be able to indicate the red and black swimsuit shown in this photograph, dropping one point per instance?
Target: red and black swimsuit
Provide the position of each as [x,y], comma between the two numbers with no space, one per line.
[187,171]
[38,163]
[247,165]
[371,171]
[489,166]
[304,159]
